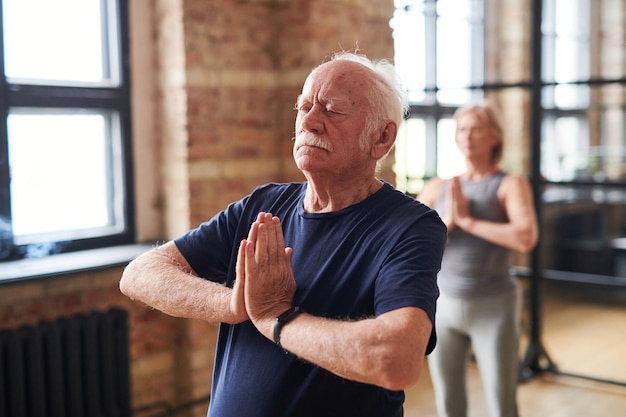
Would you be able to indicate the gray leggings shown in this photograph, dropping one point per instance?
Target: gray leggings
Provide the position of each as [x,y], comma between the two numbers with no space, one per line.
[490,325]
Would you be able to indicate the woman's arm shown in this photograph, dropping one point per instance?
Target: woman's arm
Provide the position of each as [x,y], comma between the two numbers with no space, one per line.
[521,232]
[429,196]
[430,193]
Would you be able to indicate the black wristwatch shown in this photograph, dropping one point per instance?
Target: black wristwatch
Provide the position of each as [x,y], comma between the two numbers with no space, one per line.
[283,319]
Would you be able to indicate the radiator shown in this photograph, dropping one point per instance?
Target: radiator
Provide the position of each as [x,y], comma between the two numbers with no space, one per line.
[73,367]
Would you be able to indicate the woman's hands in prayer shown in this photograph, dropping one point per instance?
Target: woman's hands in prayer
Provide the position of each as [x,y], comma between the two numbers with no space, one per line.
[457,210]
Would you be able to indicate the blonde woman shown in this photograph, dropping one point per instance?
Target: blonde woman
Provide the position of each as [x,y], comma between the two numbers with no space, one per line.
[489,214]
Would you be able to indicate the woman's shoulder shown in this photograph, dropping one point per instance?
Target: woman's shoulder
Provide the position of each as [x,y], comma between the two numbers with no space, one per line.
[514,183]
[432,189]
[514,179]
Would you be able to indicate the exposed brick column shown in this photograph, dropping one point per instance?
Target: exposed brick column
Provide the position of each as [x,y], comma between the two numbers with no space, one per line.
[172,118]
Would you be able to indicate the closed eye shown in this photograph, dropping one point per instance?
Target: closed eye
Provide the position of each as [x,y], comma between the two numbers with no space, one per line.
[333,109]
[304,108]
[302,105]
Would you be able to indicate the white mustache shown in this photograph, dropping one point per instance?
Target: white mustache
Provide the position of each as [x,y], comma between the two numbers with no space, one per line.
[309,139]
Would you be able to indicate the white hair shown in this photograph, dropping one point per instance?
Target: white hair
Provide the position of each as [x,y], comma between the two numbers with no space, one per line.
[388,97]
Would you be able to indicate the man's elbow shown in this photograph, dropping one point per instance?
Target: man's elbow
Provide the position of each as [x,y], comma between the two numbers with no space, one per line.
[400,376]
[127,283]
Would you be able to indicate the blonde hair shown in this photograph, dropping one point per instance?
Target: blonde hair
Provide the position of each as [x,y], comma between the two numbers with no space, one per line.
[488,111]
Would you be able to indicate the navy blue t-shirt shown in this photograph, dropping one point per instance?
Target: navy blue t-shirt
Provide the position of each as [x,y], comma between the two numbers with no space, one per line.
[378,255]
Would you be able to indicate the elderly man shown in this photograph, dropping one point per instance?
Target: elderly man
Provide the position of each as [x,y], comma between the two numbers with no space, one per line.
[325,290]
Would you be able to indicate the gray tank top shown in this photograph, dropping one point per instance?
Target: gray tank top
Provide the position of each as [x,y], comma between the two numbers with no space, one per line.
[472,266]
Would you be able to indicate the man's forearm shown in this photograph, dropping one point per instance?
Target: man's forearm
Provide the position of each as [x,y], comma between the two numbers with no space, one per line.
[155,279]
[386,351]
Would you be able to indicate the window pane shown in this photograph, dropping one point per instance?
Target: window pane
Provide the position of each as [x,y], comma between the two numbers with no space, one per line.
[566,43]
[410,49]
[566,96]
[571,54]
[410,156]
[454,44]
[588,144]
[61,175]
[459,45]
[45,41]
[564,148]
[572,41]
[450,161]
[609,156]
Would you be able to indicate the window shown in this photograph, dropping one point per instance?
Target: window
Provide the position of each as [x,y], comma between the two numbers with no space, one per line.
[583,142]
[65,161]
[439,55]
[451,52]
[566,60]
[557,68]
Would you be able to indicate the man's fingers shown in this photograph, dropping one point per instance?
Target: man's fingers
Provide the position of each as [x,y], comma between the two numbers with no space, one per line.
[288,252]
[237,303]
[240,265]
[278,230]
[273,242]
[250,259]
[252,234]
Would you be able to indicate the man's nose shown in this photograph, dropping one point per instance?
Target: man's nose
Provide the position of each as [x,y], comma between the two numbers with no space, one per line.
[313,121]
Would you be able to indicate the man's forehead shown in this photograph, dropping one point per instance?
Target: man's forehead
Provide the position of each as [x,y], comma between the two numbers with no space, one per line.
[337,79]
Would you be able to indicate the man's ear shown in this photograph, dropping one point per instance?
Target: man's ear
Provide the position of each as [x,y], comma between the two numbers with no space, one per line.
[385,140]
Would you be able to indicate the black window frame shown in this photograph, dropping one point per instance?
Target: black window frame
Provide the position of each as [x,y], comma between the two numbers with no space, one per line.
[536,359]
[539,81]
[116,99]
[431,110]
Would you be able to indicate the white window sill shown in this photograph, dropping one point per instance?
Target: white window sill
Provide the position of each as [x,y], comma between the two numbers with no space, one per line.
[68,263]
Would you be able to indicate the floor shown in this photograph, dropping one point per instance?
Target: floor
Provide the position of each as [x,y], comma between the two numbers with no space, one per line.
[583,335]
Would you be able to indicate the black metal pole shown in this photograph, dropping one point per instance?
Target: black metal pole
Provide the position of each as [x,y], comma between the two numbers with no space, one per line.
[536,360]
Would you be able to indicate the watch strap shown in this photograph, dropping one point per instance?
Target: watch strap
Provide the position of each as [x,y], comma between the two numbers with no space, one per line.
[283,319]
